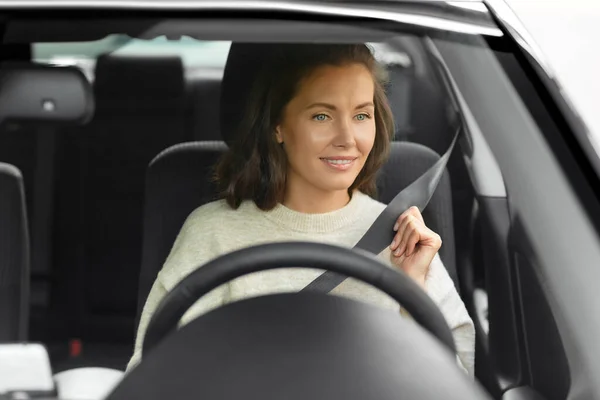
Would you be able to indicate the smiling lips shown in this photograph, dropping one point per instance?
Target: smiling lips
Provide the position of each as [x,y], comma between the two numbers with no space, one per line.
[339,163]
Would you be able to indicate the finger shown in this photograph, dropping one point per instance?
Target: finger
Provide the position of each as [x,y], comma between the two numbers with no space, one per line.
[415,212]
[399,221]
[411,242]
[427,238]
[395,242]
[399,228]
[431,239]
[411,226]
[405,222]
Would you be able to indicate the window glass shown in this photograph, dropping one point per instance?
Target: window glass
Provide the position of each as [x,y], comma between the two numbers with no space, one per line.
[194,53]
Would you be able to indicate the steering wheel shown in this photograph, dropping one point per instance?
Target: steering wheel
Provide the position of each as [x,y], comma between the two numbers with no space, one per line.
[351,262]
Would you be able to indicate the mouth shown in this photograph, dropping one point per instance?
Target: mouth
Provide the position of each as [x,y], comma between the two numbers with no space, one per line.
[339,163]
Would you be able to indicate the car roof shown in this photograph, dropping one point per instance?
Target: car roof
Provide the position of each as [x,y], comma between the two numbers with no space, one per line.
[166,3]
[475,10]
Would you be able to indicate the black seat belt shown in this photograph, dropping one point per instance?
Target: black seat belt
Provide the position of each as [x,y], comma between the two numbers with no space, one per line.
[381,233]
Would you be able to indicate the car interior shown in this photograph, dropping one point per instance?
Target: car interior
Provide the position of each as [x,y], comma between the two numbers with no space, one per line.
[132,174]
[93,207]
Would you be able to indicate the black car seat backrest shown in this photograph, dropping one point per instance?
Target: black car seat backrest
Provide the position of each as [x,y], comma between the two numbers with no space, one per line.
[178,181]
[14,256]
[31,151]
[140,110]
[205,92]
[18,147]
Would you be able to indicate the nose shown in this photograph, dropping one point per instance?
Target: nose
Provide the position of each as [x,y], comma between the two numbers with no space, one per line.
[344,137]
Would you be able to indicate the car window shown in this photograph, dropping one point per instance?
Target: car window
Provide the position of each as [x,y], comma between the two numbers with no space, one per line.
[195,54]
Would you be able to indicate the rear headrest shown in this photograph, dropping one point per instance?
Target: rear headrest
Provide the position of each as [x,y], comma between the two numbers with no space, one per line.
[139,78]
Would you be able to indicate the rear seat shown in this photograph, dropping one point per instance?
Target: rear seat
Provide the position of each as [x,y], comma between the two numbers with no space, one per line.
[141,106]
[14,256]
[205,93]
[20,146]
[29,150]
[140,110]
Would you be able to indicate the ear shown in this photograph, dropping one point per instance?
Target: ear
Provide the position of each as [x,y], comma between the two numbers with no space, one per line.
[278,134]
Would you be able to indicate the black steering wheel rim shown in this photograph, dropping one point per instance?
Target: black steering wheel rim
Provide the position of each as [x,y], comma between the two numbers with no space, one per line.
[354,263]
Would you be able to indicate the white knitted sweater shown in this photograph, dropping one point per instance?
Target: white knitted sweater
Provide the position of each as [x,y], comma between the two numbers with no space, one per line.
[215,229]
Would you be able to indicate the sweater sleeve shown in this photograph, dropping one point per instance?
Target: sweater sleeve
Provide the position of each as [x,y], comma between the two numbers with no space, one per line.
[192,249]
[157,293]
[440,287]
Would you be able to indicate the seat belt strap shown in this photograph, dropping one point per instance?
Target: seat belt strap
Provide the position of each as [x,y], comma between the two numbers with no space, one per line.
[381,233]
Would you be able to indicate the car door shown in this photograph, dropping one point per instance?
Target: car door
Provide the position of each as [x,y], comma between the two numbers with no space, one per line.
[534,194]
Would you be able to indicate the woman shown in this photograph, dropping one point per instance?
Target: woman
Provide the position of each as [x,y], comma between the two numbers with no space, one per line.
[315,132]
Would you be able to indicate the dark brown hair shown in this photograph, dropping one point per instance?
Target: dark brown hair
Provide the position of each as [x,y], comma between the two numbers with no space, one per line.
[254,168]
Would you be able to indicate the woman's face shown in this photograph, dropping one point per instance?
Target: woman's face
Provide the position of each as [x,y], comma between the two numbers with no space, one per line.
[328,128]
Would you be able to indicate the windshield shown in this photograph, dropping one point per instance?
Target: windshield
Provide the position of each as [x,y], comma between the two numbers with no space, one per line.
[197,141]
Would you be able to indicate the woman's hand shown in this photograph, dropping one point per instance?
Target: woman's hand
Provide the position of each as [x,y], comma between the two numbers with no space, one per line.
[414,245]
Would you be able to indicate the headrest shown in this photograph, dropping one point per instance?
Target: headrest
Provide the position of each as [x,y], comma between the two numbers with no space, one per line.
[140,78]
[242,67]
[34,93]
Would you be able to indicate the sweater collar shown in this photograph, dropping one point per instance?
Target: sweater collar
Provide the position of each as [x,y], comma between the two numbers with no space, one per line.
[318,223]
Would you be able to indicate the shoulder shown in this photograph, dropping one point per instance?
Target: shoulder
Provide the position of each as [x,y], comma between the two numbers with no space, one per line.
[208,212]
[200,228]
[198,240]
[216,214]
[209,225]
[368,208]
[372,204]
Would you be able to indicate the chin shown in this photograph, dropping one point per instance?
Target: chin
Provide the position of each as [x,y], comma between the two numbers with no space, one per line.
[337,185]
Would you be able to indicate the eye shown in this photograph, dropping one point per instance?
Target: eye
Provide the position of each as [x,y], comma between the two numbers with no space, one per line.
[362,117]
[320,117]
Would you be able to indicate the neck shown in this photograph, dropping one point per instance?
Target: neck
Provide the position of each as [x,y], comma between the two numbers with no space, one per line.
[314,201]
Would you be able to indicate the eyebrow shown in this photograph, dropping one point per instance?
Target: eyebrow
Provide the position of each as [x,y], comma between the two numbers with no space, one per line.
[332,107]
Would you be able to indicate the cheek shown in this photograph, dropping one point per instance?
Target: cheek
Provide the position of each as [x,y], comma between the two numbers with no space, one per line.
[299,145]
[365,138]
[308,138]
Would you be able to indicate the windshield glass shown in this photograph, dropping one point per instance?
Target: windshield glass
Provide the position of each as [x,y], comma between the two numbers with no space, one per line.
[201,142]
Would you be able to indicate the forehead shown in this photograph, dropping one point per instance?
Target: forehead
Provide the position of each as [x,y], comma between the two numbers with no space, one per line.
[354,80]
